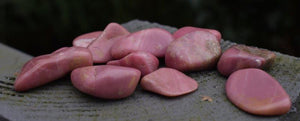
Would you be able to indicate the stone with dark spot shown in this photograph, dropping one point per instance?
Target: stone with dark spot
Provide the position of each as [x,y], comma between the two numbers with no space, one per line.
[242,56]
[198,50]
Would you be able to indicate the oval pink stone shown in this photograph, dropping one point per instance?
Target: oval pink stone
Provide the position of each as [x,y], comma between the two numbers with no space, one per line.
[106,81]
[168,82]
[86,39]
[143,61]
[241,56]
[154,41]
[198,50]
[184,30]
[256,92]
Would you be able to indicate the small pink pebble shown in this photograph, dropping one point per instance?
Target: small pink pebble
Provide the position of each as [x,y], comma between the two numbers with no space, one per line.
[86,39]
[168,82]
[256,92]
[100,48]
[143,61]
[241,56]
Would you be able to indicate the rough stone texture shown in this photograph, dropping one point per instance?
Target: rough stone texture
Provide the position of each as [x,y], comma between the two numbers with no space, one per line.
[60,101]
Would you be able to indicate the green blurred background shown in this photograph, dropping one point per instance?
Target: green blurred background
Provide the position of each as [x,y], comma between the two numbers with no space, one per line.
[42,26]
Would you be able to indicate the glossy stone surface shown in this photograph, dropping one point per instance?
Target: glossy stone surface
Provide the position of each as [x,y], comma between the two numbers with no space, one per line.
[198,50]
[46,68]
[241,56]
[184,30]
[100,48]
[256,92]
[168,82]
[106,81]
[143,61]
[85,40]
[153,40]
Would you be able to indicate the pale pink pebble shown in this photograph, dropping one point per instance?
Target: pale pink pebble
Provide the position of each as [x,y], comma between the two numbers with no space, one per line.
[100,48]
[256,92]
[169,82]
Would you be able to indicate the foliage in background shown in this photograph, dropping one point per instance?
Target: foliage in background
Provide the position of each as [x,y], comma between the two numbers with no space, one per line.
[41,26]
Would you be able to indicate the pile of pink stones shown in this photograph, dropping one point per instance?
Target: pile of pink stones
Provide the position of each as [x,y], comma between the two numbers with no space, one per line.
[126,59]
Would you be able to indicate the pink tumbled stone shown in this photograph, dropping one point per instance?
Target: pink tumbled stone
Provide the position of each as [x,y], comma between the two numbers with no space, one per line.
[86,39]
[153,40]
[100,48]
[241,56]
[168,82]
[143,61]
[256,92]
[198,50]
[106,81]
[46,68]
[184,30]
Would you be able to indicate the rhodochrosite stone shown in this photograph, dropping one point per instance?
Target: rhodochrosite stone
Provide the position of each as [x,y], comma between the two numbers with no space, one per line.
[198,50]
[100,48]
[168,82]
[154,41]
[143,61]
[184,30]
[86,39]
[256,92]
[46,68]
[106,81]
[241,56]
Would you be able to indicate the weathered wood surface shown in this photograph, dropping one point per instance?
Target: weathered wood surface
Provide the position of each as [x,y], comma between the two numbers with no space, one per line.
[59,100]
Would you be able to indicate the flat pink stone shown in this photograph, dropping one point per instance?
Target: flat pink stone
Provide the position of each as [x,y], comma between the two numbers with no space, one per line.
[256,92]
[86,39]
[241,56]
[143,61]
[168,82]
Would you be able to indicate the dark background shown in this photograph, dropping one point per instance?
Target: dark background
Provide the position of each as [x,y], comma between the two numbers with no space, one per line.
[42,26]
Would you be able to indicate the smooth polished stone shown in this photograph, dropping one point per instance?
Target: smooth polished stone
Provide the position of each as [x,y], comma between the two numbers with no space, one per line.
[47,68]
[106,81]
[257,92]
[169,82]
